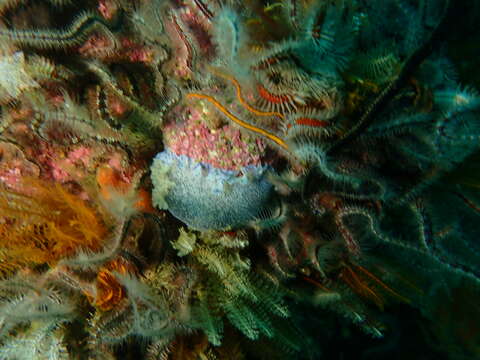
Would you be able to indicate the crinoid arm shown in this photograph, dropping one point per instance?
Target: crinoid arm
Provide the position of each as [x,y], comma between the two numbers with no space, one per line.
[224,179]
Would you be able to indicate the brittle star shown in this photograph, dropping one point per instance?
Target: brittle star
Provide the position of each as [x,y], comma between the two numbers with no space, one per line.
[238,121]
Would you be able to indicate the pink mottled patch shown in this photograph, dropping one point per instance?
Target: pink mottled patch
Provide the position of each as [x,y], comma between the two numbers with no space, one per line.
[115,161]
[136,52]
[224,147]
[62,164]
[14,166]
[80,154]
[63,167]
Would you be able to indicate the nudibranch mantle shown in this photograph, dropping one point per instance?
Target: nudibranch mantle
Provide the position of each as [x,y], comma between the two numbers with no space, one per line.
[205,197]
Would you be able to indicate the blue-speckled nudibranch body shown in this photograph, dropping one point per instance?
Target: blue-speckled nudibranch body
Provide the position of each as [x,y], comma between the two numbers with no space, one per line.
[205,197]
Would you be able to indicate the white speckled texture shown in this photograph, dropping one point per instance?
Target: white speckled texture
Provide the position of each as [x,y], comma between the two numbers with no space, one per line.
[204,197]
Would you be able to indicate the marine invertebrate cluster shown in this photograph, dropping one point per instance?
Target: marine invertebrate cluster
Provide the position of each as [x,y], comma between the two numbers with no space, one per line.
[210,178]
[214,179]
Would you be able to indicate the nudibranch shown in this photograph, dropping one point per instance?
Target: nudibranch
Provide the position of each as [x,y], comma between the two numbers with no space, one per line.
[210,175]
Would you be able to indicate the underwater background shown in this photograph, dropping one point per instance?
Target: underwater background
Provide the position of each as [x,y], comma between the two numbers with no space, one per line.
[226,179]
